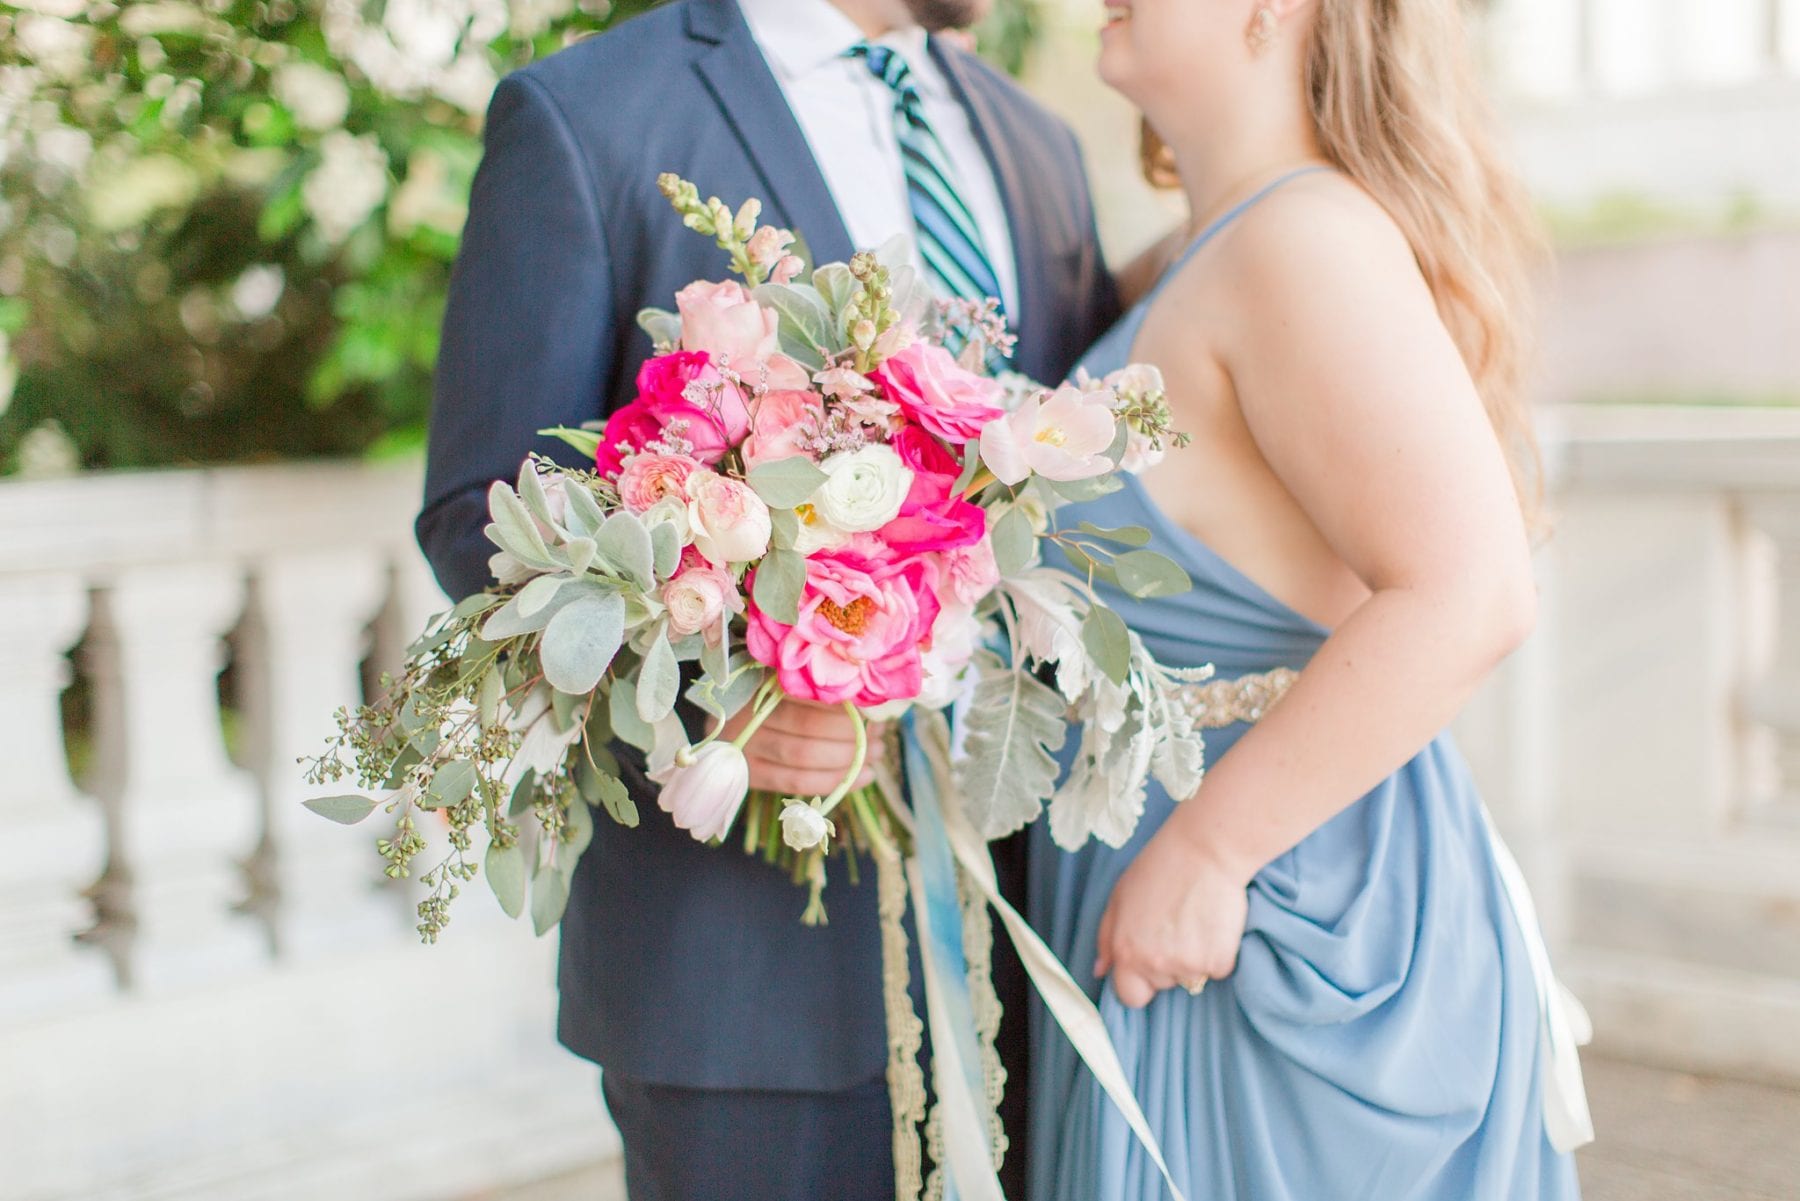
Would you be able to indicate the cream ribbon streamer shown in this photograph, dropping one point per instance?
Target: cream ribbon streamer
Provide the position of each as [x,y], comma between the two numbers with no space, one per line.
[965,1131]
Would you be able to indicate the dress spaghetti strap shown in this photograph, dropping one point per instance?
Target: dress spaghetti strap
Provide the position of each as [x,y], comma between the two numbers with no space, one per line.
[1237,210]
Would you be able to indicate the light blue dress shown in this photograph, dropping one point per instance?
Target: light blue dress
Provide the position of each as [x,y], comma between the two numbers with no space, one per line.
[1379,1040]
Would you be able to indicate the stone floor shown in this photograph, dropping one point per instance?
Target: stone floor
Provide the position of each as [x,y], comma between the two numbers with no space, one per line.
[1664,1136]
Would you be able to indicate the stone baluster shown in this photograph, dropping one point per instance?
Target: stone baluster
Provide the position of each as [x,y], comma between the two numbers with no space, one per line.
[180,816]
[1773,697]
[300,648]
[54,834]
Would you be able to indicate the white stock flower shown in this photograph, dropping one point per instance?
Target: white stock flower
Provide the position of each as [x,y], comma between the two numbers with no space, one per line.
[803,827]
[469,82]
[347,185]
[864,489]
[318,98]
[61,49]
[426,198]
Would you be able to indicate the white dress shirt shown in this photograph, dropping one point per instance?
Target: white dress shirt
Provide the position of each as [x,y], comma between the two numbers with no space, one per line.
[847,115]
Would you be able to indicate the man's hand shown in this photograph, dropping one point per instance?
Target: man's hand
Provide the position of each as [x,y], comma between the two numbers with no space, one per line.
[803,749]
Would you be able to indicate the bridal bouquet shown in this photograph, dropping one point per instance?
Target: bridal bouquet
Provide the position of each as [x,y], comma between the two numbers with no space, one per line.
[816,494]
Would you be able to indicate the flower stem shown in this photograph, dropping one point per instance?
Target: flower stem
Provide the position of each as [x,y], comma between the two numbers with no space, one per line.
[982,479]
[856,763]
[763,706]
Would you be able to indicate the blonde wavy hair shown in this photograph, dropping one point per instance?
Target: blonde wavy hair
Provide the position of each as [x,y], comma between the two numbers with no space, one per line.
[1399,108]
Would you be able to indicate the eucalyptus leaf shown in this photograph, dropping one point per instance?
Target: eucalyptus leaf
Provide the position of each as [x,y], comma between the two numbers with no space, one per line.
[450,784]
[475,602]
[659,680]
[836,286]
[805,326]
[598,730]
[563,710]
[724,699]
[625,543]
[1014,541]
[615,798]
[549,897]
[626,724]
[1092,488]
[579,834]
[1125,535]
[786,483]
[522,793]
[489,696]
[780,579]
[1145,573]
[505,868]
[784,528]
[1088,566]
[581,639]
[345,810]
[1108,642]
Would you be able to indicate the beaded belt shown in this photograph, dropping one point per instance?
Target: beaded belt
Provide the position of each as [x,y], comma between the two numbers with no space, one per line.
[1220,703]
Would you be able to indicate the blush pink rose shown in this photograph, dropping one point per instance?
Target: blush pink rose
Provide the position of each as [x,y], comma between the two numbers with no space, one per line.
[649,477]
[730,522]
[929,386]
[697,598]
[779,423]
[725,321]
[863,620]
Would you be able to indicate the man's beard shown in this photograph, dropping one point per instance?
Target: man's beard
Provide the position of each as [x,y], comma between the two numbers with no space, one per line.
[936,15]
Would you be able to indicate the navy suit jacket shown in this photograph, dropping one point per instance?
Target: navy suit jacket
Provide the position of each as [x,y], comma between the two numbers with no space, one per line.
[680,964]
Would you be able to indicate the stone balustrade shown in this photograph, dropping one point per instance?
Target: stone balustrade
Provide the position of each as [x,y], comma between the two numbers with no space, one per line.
[207,992]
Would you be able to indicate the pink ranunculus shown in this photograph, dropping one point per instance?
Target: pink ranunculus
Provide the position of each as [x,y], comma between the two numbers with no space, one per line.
[779,423]
[1063,436]
[649,477]
[725,321]
[730,522]
[928,385]
[970,571]
[627,430]
[864,617]
[698,597]
[944,525]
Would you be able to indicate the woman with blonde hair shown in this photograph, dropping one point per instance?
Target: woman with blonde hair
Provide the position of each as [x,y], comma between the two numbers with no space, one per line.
[1321,971]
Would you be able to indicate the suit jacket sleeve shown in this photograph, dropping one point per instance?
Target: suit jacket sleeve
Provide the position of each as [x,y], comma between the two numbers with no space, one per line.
[528,335]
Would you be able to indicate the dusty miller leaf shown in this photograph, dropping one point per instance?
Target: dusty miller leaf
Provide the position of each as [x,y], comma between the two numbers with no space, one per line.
[1013,727]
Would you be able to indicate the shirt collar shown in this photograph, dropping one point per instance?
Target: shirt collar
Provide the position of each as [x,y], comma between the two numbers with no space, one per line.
[800,36]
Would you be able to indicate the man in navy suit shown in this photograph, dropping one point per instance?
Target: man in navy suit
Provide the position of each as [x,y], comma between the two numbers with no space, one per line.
[743,1053]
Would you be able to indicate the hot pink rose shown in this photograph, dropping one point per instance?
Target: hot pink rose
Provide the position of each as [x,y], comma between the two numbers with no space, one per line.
[943,525]
[863,619]
[929,386]
[779,423]
[725,321]
[681,389]
[649,477]
[934,468]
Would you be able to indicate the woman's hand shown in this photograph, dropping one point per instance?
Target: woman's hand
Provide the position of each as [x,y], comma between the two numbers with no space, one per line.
[803,750]
[1175,920]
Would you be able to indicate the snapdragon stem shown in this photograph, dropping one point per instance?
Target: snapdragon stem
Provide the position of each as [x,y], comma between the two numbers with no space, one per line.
[856,763]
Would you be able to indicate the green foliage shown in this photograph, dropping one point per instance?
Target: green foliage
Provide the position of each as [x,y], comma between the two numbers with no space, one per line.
[228,226]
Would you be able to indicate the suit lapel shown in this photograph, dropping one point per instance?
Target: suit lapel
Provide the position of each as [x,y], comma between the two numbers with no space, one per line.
[752,103]
[1015,198]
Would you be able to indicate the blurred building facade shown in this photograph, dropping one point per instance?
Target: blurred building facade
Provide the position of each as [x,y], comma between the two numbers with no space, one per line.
[251,1016]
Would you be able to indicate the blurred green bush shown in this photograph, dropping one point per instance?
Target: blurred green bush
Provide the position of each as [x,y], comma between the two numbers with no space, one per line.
[226,226]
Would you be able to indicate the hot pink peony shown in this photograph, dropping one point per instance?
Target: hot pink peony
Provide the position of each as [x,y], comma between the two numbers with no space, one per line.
[863,617]
[725,321]
[779,423]
[929,386]
[942,525]
[681,390]
[649,477]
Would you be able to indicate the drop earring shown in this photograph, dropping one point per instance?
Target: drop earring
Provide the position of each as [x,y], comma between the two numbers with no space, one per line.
[1263,28]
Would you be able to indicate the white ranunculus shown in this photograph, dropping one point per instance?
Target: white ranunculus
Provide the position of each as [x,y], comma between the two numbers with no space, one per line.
[347,185]
[864,489]
[318,98]
[803,827]
[672,511]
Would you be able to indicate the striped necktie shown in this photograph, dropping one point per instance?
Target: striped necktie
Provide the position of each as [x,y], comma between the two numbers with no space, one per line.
[950,245]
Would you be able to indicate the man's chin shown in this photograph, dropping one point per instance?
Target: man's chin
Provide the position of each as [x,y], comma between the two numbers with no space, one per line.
[939,15]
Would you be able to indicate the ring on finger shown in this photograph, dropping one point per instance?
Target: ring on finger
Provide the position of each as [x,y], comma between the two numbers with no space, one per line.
[1194,986]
